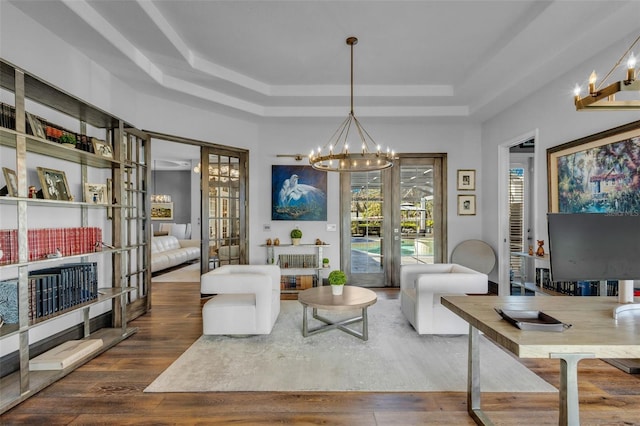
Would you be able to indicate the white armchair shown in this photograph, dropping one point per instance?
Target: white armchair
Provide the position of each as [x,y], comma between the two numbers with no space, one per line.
[246,301]
[421,287]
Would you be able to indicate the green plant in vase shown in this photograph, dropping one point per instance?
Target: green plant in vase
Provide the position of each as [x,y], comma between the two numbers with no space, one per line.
[67,140]
[296,234]
[337,279]
[325,262]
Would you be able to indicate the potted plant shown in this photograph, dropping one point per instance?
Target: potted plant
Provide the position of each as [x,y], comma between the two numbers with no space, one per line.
[67,140]
[296,234]
[325,262]
[337,279]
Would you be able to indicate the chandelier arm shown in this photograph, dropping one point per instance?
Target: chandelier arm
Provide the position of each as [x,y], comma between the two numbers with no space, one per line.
[365,144]
[364,131]
[336,135]
[618,63]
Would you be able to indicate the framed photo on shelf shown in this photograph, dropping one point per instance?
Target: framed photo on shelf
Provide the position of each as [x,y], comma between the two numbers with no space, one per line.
[96,193]
[11,182]
[36,126]
[466,180]
[596,174]
[102,148]
[161,211]
[466,205]
[54,184]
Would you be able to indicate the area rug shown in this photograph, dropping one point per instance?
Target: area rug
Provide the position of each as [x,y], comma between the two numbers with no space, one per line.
[186,274]
[394,359]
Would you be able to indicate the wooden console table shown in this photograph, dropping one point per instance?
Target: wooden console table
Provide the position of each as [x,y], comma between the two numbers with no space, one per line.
[594,334]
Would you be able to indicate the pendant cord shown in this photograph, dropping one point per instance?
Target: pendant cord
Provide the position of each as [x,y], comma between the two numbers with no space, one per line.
[352,79]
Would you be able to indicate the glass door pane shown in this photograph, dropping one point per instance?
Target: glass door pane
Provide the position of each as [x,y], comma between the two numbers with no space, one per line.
[366,260]
[416,214]
[224,209]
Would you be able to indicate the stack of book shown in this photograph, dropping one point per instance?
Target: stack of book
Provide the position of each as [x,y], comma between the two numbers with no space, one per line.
[49,241]
[51,291]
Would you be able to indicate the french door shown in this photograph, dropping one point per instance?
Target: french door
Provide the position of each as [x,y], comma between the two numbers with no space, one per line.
[224,208]
[391,218]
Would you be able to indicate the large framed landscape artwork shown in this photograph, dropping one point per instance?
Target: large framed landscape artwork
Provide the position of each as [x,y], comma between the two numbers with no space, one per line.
[298,193]
[597,174]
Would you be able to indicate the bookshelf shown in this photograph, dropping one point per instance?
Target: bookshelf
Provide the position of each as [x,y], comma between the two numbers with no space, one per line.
[300,265]
[120,285]
[544,286]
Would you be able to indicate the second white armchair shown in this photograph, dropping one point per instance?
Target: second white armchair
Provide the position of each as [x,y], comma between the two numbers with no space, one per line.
[421,287]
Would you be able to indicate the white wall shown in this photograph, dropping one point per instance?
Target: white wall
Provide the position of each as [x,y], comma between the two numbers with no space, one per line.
[460,141]
[551,111]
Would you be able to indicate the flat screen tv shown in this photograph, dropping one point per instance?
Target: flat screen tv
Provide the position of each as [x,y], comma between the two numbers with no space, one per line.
[594,246]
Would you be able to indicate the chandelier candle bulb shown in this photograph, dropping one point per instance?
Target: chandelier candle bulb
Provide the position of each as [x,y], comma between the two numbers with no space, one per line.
[592,83]
[631,69]
[576,93]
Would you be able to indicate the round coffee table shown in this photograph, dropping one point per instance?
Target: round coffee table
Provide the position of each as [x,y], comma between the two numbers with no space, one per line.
[352,298]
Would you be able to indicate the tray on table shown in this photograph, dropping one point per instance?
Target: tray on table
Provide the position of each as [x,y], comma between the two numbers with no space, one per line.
[532,320]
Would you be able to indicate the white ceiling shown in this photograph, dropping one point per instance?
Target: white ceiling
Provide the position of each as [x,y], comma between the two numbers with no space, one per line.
[461,59]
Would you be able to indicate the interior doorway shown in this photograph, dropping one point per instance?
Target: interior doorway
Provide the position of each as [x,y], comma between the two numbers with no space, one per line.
[212,197]
[516,204]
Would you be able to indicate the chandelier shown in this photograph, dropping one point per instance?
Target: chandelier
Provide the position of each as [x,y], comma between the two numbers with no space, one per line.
[337,156]
[603,98]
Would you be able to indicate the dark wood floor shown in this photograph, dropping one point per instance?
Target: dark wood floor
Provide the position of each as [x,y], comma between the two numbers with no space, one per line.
[108,389]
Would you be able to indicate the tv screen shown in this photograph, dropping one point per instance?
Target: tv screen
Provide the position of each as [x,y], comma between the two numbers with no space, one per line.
[594,246]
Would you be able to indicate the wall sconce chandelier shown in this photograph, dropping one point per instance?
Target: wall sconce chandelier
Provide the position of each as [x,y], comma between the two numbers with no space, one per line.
[600,98]
[336,156]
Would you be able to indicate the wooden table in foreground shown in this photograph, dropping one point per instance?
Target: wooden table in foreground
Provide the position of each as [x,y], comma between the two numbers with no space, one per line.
[352,298]
[594,334]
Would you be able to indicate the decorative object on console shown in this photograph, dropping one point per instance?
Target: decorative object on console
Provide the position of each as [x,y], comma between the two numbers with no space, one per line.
[298,193]
[540,249]
[597,173]
[296,235]
[364,155]
[466,180]
[325,262]
[603,99]
[54,184]
[276,242]
[337,279]
[11,181]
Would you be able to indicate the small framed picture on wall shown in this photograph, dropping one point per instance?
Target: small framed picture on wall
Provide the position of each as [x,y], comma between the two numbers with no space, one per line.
[466,180]
[466,205]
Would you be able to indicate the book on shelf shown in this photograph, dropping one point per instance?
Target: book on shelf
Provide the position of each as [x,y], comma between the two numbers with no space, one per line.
[64,355]
[298,261]
[56,289]
[297,282]
[45,242]
[8,117]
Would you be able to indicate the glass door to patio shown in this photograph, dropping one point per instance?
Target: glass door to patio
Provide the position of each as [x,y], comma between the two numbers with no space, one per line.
[394,218]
